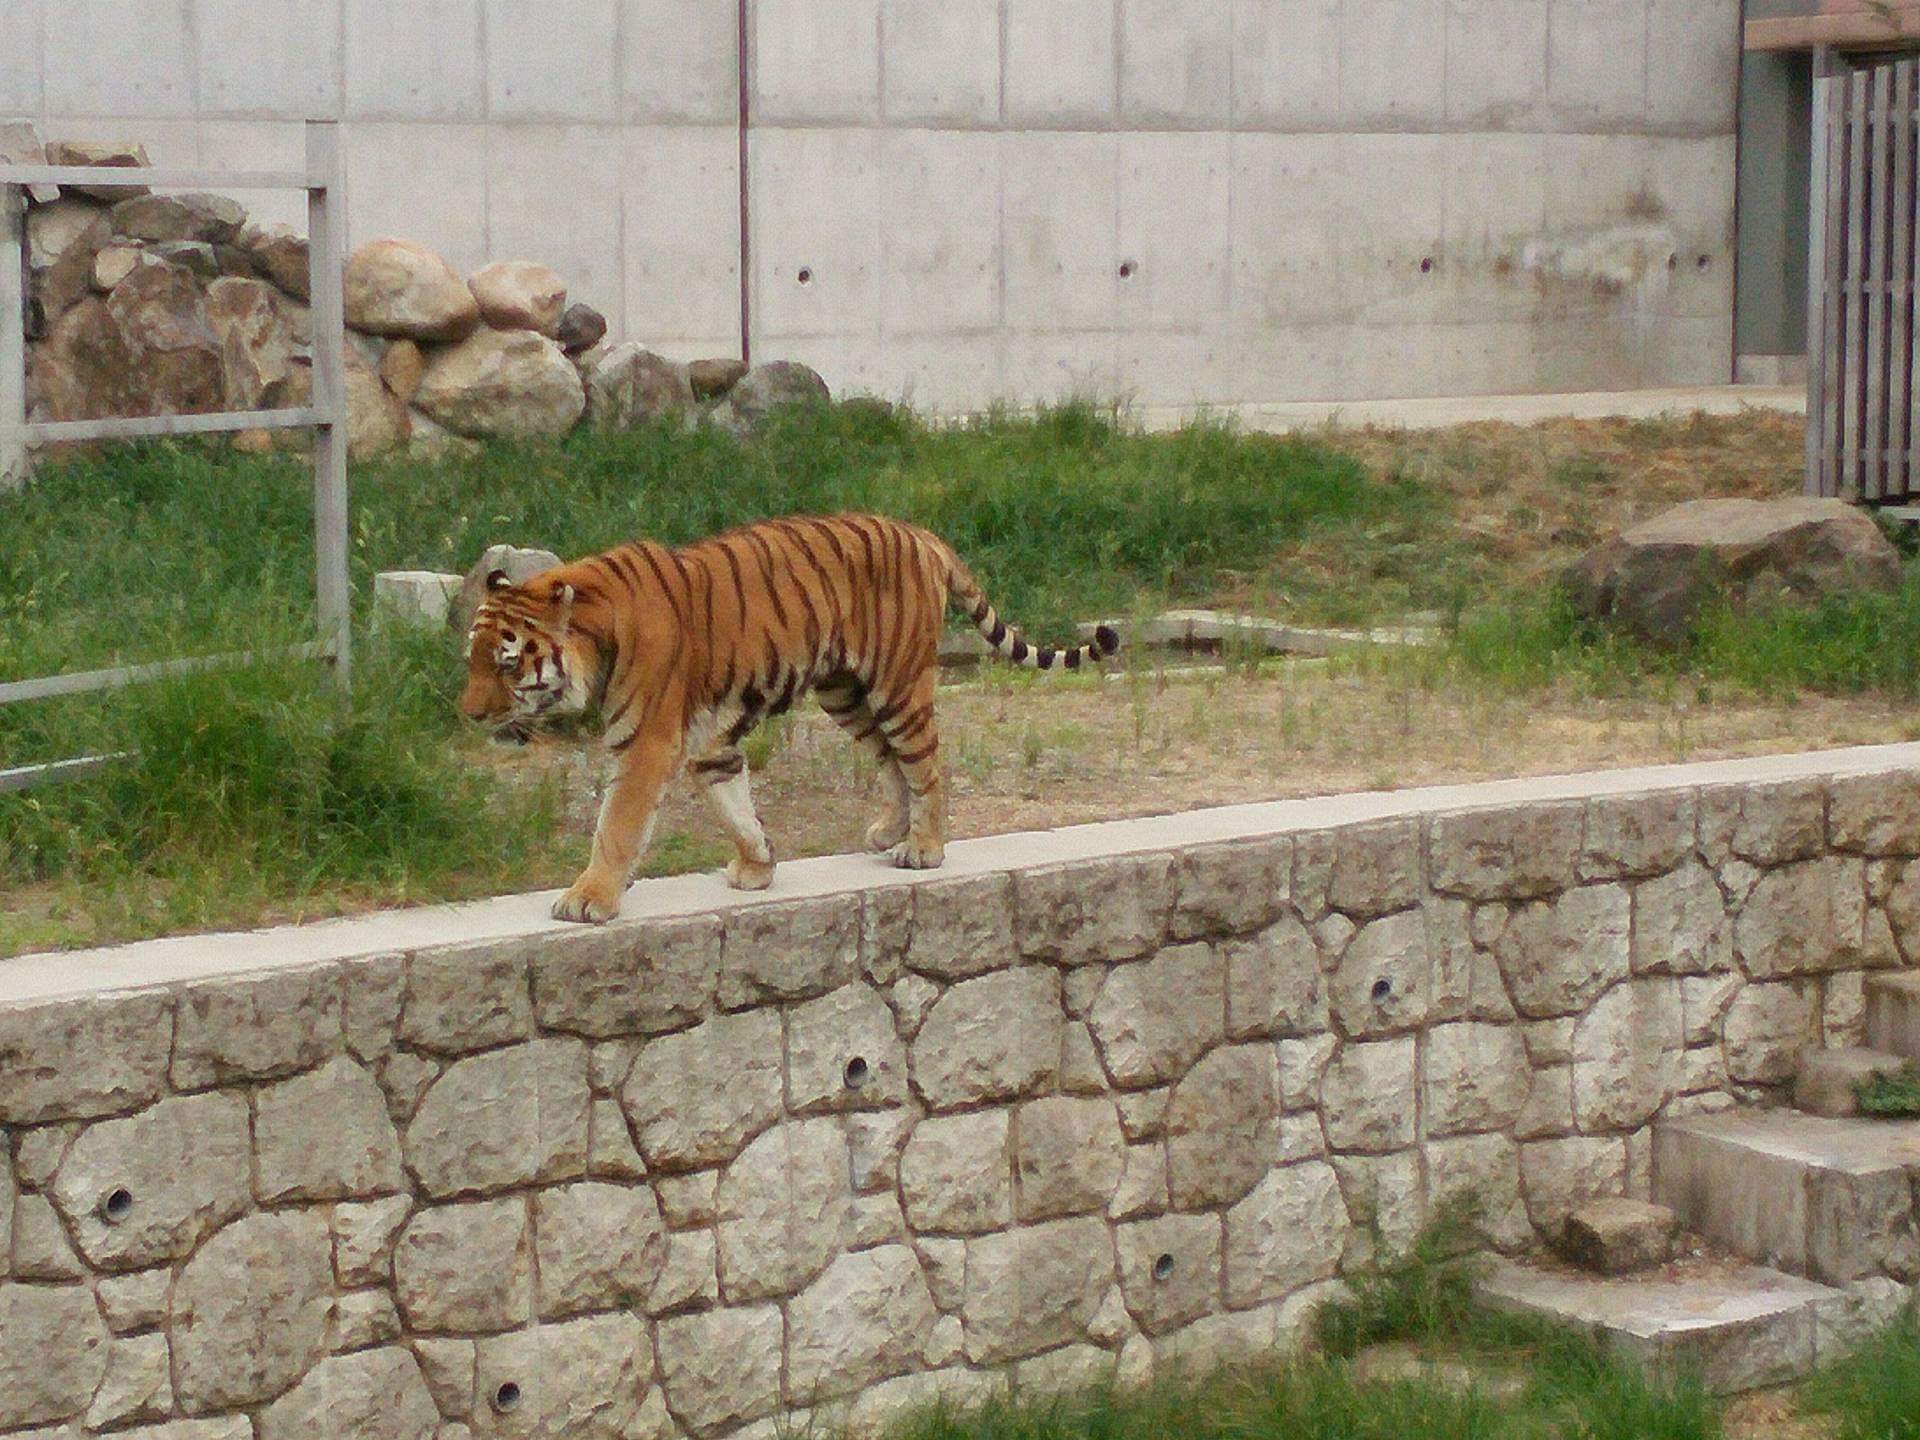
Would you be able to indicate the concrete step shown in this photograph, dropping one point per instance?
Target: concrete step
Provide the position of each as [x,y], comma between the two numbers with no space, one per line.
[1738,1327]
[1893,1014]
[1829,1199]
[1823,1084]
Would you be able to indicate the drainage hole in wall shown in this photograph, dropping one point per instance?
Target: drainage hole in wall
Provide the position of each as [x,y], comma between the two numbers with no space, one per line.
[1127,267]
[1672,261]
[1381,990]
[1704,261]
[856,1073]
[805,277]
[507,1397]
[1426,265]
[1163,1267]
[116,1205]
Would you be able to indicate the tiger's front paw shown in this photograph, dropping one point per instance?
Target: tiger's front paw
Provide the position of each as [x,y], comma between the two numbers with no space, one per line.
[587,903]
[911,854]
[886,832]
[749,874]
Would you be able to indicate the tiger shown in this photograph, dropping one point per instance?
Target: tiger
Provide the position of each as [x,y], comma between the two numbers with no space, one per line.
[683,651]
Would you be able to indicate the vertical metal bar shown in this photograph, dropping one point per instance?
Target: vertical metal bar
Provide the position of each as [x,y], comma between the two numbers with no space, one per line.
[1900,281]
[1834,247]
[744,45]
[1855,394]
[1873,475]
[13,331]
[326,216]
[1819,301]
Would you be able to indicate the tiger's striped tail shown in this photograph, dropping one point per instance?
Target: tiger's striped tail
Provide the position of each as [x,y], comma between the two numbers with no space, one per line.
[964,593]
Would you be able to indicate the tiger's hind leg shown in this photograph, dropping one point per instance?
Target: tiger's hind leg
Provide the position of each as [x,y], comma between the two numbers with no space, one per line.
[723,770]
[914,738]
[845,699]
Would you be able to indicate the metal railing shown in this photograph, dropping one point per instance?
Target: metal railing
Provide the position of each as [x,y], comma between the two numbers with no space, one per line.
[325,415]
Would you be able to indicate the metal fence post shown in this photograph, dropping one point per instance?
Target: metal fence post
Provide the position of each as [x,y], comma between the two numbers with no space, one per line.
[326,217]
[13,332]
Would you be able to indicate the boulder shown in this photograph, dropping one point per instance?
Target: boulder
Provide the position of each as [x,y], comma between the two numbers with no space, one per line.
[502,384]
[519,295]
[281,256]
[520,564]
[109,154]
[147,349]
[194,255]
[713,378]
[629,385]
[765,389]
[1653,578]
[377,421]
[20,145]
[398,287]
[401,367]
[116,262]
[198,216]
[580,329]
[1616,1236]
[62,240]
[256,341]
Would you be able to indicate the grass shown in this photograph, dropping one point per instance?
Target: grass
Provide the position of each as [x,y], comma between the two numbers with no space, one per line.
[1874,1393]
[1890,1096]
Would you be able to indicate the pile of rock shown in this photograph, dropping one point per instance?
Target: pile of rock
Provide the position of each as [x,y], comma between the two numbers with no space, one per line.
[144,304]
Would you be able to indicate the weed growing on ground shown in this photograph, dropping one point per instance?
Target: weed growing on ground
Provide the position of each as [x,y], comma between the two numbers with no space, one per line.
[1874,1393]
[1891,1095]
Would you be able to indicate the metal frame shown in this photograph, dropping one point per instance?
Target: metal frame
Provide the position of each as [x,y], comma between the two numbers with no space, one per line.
[326,415]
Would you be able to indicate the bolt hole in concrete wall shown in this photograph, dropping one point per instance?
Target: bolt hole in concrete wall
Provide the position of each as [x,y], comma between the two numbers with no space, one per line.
[506,1398]
[1127,267]
[116,1205]
[805,277]
[1426,266]
[857,1073]
[1163,1268]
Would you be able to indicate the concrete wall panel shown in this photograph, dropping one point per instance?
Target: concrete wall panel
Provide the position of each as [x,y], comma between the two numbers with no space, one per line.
[816,61]
[1496,62]
[1597,62]
[1062,240]
[944,374]
[680,61]
[940,63]
[1693,61]
[816,235]
[1060,62]
[420,61]
[940,244]
[553,195]
[20,59]
[1393,212]
[681,202]
[1287,230]
[273,58]
[552,61]
[385,195]
[1286,63]
[106,58]
[1174,223]
[1693,181]
[1496,203]
[1054,366]
[1392,67]
[1290,362]
[1176,62]
[260,145]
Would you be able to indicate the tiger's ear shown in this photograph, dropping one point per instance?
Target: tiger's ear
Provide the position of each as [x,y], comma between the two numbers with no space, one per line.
[563,597]
[497,580]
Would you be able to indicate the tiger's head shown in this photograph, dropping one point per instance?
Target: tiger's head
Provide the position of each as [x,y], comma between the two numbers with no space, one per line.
[525,660]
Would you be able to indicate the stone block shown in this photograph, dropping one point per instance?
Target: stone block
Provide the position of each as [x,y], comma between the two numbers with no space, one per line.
[785,1210]
[1376,868]
[256,1028]
[147,1189]
[503,1118]
[1481,1173]
[1803,918]
[1153,1019]
[1824,1083]
[1383,981]
[1624,1051]
[680,1126]
[642,980]
[1616,1236]
[250,1310]
[1060,63]
[1142,1190]
[688,1200]
[961,928]
[843,1054]
[373,990]
[1367,1096]
[1766,824]
[874,1143]
[954,1174]
[66,1061]
[325,1136]
[990,1038]
[1286,64]
[940,65]
[610,1149]
[1068,1156]
[793,950]
[1033,1288]
[136,1301]
[467,998]
[599,1247]
[1556,957]
[1637,836]
[363,1237]
[1230,889]
[586,1377]
[1221,1125]
[1081,913]
[865,1319]
[54,1352]
[1559,1176]
[1507,854]
[1767,1029]
[363,1319]
[1893,1014]
[1477,1078]
[1289,1232]
[722,1367]
[817,62]
[1170,1269]
[1303,1064]
[692,1277]
[372,1395]
[465,1267]
[1874,814]
[41,1249]
[1176,62]
[1273,983]
[137,1385]
[1680,924]
[681,62]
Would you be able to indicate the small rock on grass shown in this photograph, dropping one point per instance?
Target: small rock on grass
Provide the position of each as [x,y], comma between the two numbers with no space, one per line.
[1616,1236]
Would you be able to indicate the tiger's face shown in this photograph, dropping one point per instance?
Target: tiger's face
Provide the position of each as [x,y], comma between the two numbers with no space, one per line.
[519,668]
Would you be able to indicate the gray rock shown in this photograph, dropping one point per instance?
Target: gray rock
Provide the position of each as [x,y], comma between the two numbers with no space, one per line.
[865,1319]
[256,1028]
[1559,1176]
[600,1247]
[1068,1156]
[465,1267]
[1624,1054]
[256,339]
[111,154]
[20,145]
[365,1318]
[786,1208]
[1221,1125]
[954,1175]
[325,1136]
[764,391]
[370,1395]
[519,295]
[680,1125]
[54,1352]
[722,1367]
[1768,1028]
[398,287]
[150,1187]
[249,1314]
[1803,918]
[501,1119]
[581,328]
[582,1380]
[990,1038]
[1230,889]
[628,386]
[1506,854]
[713,378]
[1154,1018]
[280,255]
[502,384]
[1825,1081]
[448,1368]
[41,1249]
[1616,1236]
[198,216]
[194,256]
[521,566]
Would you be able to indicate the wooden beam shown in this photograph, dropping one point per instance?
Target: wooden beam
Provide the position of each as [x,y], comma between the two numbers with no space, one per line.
[1859,28]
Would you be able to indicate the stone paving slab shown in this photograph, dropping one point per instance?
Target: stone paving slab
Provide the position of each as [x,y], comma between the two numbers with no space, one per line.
[1739,1326]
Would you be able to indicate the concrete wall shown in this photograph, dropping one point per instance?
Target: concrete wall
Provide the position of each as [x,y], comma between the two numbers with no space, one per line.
[1185,200]
[1085,1103]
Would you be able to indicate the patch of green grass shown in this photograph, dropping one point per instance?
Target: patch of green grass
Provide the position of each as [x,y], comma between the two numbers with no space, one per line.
[1890,1095]
[1873,1393]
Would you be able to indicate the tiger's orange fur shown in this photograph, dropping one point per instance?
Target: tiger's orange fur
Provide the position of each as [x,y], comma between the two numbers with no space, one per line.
[686,650]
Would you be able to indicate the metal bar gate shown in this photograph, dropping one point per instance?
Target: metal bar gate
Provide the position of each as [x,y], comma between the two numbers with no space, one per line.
[326,415]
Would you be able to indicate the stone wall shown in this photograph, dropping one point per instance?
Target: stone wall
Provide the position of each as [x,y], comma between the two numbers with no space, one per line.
[1084,1104]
